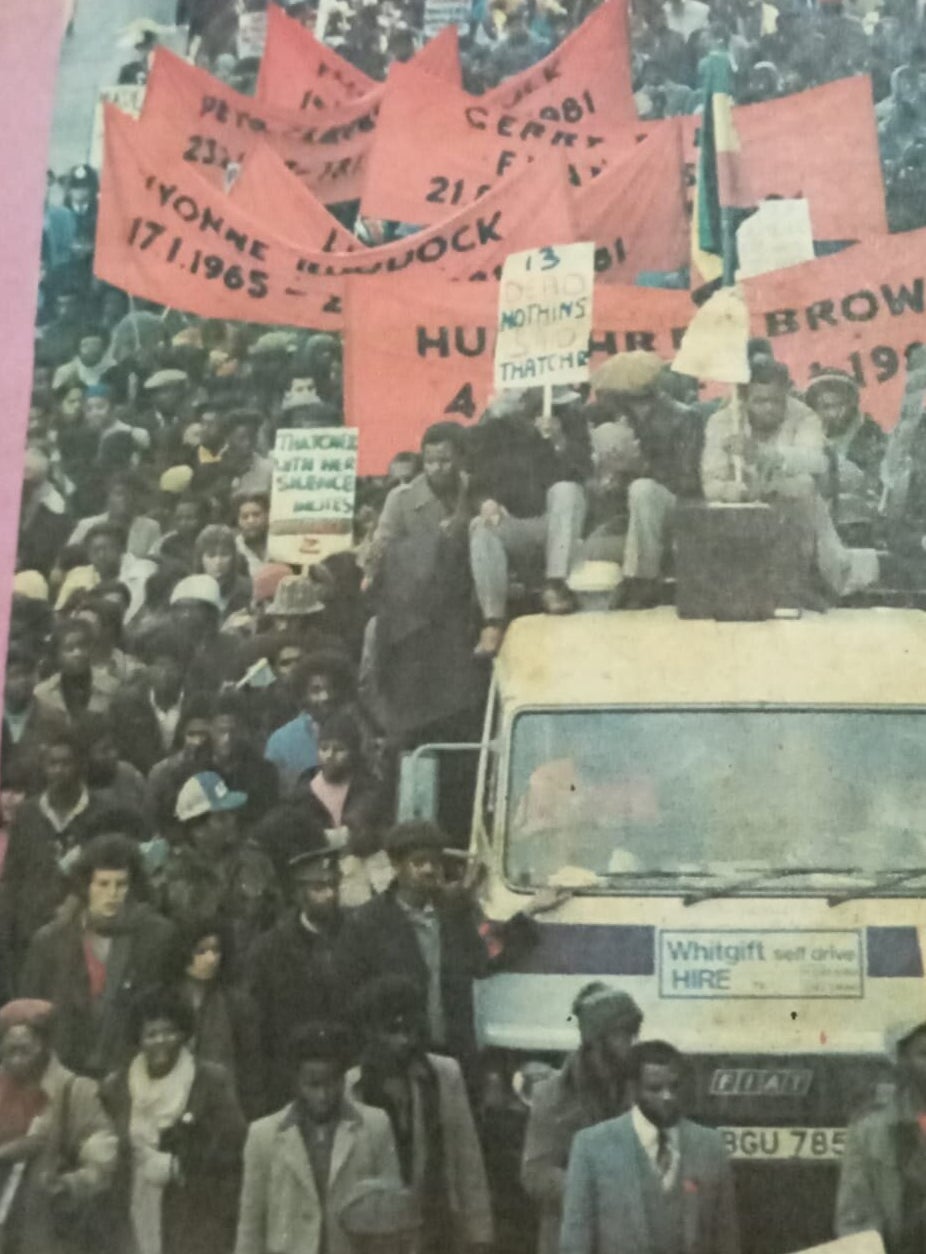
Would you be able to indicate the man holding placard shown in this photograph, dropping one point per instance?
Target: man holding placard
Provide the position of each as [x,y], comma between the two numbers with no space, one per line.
[529,468]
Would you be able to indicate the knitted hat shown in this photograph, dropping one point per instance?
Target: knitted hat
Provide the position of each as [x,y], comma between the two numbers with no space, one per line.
[607,1010]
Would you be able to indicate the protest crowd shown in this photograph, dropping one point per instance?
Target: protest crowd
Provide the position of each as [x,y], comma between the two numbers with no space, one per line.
[237,991]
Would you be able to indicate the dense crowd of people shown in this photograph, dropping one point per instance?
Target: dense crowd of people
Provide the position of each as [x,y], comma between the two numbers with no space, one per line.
[209,916]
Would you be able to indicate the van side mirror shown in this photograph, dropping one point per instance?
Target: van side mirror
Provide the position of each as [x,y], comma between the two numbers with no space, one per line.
[419,780]
[419,777]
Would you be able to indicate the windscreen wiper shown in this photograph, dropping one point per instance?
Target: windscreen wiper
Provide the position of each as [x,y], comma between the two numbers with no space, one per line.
[733,888]
[893,879]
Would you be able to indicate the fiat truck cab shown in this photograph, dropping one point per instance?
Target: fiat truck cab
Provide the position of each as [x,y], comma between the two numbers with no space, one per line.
[739,813]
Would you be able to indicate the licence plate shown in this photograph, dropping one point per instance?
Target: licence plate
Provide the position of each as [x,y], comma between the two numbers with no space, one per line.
[819,1145]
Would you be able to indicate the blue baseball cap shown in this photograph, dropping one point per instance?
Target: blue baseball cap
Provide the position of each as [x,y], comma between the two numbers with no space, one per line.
[207,793]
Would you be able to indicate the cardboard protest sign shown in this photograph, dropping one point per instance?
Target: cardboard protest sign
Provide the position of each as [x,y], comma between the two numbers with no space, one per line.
[267,190]
[420,351]
[437,149]
[300,72]
[839,173]
[858,310]
[776,236]
[168,235]
[545,316]
[586,78]
[857,1243]
[129,98]
[715,346]
[252,34]
[197,118]
[312,495]
[441,13]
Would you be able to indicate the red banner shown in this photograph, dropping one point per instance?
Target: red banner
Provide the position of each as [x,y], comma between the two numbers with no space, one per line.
[198,119]
[166,234]
[635,212]
[270,192]
[423,351]
[857,311]
[298,71]
[588,76]
[437,149]
[820,144]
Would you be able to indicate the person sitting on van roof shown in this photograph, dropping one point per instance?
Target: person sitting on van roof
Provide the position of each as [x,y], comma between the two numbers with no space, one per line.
[659,463]
[778,454]
[527,486]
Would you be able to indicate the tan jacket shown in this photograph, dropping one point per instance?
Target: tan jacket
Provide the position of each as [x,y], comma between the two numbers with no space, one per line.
[467,1185]
[84,1153]
[49,701]
[800,441]
[280,1211]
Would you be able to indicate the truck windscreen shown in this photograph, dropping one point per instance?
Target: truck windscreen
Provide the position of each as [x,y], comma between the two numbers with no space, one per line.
[818,800]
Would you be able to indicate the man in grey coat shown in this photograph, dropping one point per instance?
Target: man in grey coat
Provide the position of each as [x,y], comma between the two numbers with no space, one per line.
[592,1086]
[650,1182]
[882,1180]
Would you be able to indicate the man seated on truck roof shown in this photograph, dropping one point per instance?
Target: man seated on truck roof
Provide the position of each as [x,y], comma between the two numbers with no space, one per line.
[882,1180]
[778,454]
[527,486]
[659,463]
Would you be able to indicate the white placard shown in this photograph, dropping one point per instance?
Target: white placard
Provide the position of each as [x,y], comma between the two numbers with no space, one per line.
[252,34]
[129,98]
[723,964]
[858,1243]
[312,498]
[545,316]
[778,234]
[714,347]
[441,13]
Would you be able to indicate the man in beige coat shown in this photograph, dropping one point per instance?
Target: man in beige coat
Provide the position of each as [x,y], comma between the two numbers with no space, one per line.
[302,1164]
[778,454]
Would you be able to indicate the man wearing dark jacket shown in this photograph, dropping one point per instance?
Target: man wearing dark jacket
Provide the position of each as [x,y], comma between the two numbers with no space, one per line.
[290,969]
[91,961]
[418,929]
[659,463]
[527,489]
[46,830]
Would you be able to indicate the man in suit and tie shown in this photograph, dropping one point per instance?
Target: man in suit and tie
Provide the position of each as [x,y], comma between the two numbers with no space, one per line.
[303,1164]
[650,1181]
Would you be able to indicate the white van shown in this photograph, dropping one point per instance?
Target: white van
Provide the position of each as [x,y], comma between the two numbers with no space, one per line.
[740,811]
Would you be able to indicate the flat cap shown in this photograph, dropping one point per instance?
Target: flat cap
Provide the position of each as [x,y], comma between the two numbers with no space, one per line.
[176,479]
[163,379]
[417,834]
[631,373]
